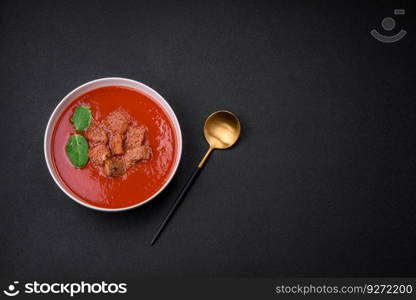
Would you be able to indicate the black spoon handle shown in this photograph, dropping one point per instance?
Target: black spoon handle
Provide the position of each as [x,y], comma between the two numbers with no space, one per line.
[176,204]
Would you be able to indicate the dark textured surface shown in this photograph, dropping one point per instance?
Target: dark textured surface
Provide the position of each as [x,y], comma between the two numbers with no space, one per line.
[321,184]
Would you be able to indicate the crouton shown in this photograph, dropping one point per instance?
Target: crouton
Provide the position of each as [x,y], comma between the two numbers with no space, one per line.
[114,167]
[136,154]
[116,144]
[118,121]
[96,134]
[99,154]
[135,136]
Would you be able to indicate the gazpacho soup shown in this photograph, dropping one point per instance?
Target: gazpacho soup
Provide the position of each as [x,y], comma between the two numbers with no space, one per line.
[114,147]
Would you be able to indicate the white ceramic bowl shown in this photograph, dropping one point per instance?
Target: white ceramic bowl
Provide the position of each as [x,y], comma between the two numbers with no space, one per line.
[110,81]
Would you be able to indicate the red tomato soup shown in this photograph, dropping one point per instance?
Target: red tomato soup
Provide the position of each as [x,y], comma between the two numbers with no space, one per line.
[144,179]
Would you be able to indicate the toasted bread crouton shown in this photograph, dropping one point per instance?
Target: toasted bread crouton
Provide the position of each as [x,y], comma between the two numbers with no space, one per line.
[99,154]
[116,144]
[114,167]
[96,134]
[136,154]
[118,121]
[135,136]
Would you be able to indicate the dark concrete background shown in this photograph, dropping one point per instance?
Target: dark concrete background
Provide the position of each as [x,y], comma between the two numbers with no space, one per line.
[322,182]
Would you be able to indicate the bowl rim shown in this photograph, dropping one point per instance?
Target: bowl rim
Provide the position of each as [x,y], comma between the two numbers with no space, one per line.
[62,105]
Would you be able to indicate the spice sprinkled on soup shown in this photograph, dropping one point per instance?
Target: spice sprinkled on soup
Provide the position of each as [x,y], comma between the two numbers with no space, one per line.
[114,147]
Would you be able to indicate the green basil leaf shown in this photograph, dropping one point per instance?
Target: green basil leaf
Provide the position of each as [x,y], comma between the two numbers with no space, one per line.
[81,118]
[77,150]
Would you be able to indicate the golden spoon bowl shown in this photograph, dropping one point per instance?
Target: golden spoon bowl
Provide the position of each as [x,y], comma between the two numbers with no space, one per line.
[222,129]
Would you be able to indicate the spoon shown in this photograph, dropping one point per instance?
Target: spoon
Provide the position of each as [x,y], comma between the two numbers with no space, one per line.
[221,130]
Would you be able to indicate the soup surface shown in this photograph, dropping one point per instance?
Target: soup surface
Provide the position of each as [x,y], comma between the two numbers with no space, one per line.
[141,181]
